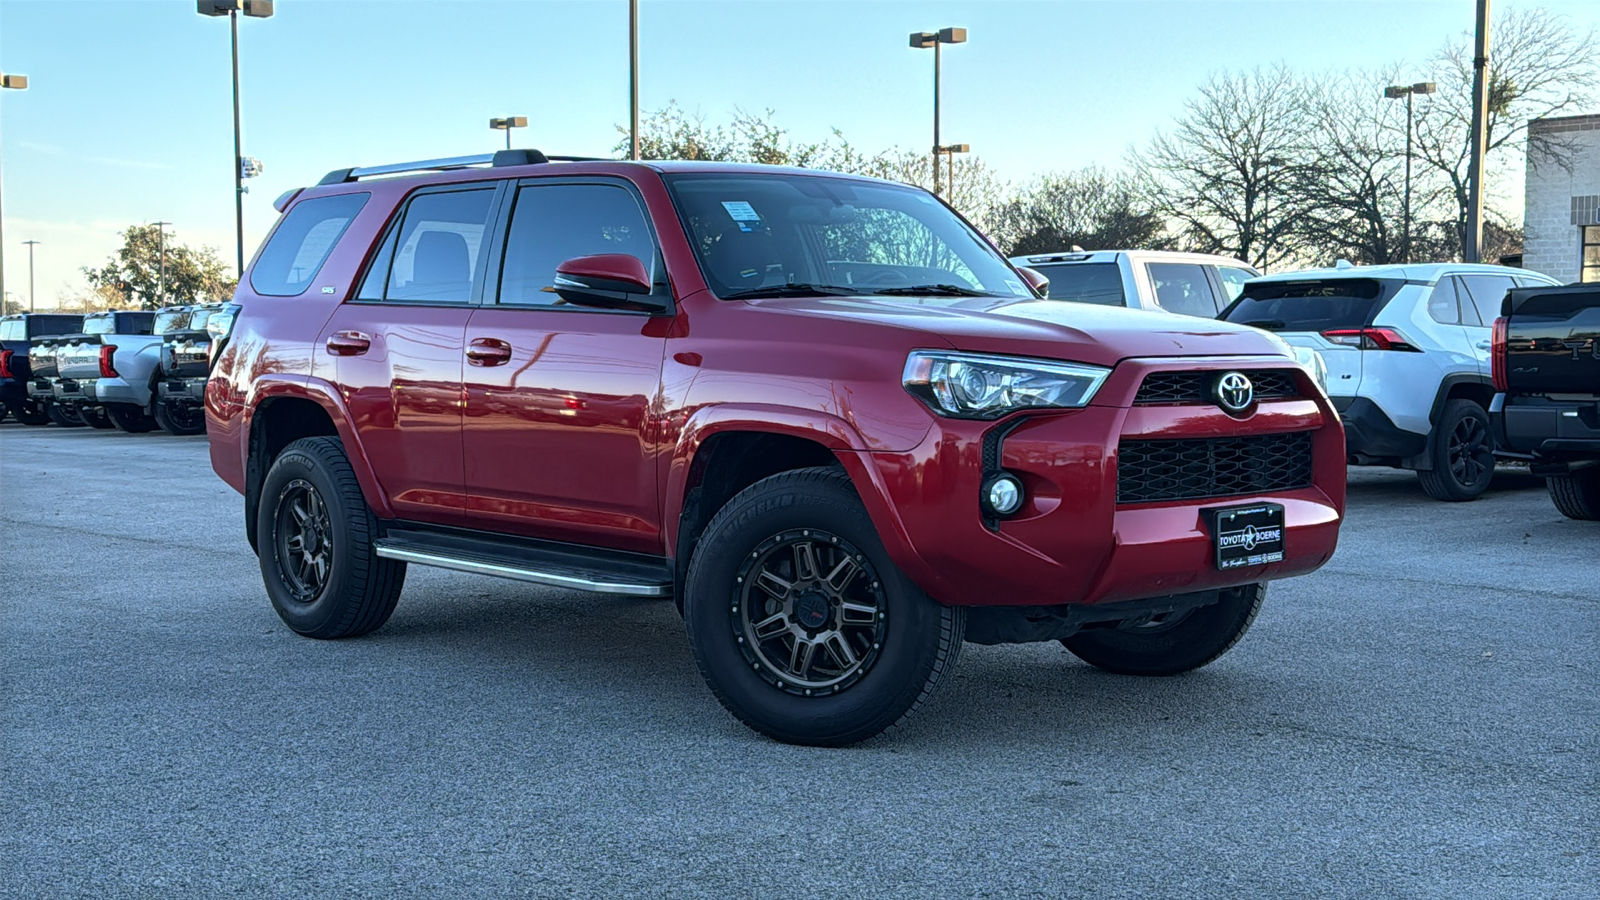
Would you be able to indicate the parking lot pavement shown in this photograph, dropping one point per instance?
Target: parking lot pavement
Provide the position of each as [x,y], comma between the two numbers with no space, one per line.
[1417,719]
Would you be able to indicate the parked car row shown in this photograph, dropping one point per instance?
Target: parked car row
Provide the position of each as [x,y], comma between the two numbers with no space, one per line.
[1407,347]
[128,369]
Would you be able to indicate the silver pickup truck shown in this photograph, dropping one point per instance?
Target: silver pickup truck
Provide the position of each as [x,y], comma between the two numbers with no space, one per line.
[185,365]
[105,375]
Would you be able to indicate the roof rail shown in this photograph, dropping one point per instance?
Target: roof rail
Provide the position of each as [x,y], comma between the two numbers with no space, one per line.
[527,157]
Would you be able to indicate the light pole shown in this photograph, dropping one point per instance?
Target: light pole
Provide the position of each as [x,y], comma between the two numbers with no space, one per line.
[922,40]
[950,151]
[31,245]
[508,123]
[256,9]
[633,79]
[15,83]
[1480,134]
[161,277]
[1266,206]
[1395,92]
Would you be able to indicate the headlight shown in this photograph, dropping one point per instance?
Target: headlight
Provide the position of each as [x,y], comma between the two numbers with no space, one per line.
[1312,362]
[973,386]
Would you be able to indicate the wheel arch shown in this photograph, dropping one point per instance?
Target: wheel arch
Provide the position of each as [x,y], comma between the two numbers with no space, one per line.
[282,412]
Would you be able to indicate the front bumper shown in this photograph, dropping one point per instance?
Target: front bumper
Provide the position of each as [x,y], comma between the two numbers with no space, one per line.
[1072,542]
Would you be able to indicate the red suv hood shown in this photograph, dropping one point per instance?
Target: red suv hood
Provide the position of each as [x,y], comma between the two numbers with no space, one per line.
[1052,329]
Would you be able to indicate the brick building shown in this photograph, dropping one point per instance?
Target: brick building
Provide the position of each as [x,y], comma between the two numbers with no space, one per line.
[1562,217]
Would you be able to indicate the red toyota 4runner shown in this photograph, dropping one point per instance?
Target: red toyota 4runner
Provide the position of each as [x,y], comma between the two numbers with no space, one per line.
[819,411]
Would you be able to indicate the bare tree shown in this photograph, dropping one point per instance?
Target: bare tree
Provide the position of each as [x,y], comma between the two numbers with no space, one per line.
[1225,169]
[1093,209]
[1539,66]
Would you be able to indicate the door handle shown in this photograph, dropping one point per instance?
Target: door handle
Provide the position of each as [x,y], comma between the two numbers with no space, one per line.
[488,352]
[349,343]
[1483,345]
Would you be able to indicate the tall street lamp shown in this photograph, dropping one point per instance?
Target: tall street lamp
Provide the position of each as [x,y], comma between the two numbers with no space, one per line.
[256,9]
[508,123]
[950,151]
[1479,136]
[633,79]
[161,277]
[922,40]
[1395,92]
[15,83]
[31,245]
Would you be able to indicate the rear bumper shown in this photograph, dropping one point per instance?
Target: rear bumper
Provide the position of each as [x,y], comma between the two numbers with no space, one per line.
[181,390]
[102,390]
[1370,435]
[1553,430]
[1072,542]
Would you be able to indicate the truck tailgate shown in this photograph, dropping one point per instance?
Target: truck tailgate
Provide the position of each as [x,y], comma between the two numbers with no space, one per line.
[79,358]
[1553,340]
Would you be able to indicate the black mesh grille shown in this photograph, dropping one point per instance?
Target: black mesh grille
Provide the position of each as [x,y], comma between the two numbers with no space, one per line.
[1195,387]
[1212,467]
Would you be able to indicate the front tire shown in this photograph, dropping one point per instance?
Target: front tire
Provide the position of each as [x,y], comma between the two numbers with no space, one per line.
[315,535]
[799,622]
[1462,453]
[181,419]
[1179,643]
[1576,494]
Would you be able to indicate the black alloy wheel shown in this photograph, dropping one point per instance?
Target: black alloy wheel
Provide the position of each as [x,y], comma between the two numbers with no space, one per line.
[305,540]
[31,412]
[811,612]
[181,419]
[1463,454]
[63,416]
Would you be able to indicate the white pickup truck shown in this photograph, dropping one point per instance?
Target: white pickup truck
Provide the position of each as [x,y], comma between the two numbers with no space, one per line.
[1191,284]
[105,375]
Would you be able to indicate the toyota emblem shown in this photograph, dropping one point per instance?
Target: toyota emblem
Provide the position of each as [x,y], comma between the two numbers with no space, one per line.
[1234,392]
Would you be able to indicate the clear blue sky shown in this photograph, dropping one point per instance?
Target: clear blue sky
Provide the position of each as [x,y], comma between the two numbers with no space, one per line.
[127,117]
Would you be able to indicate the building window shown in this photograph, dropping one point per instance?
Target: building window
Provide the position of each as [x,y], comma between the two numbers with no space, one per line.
[1590,265]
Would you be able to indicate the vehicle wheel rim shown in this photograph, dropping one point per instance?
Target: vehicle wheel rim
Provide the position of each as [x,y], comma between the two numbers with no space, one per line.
[810,612]
[305,547]
[183,415]
[1470,454]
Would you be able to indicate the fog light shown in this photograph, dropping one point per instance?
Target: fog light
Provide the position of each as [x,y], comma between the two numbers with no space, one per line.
[1003,494]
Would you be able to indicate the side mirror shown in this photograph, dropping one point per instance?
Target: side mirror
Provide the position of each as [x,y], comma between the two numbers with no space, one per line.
[1036,280]
[608,281]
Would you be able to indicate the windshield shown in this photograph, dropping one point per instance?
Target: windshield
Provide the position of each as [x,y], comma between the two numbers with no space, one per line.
[781,234]
[1311,305]
[1099,283]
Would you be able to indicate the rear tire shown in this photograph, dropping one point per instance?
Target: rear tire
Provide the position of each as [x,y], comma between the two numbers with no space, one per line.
[1576,494]
[130,418]
[799,622]
[1462,454]
[29,412]
[62,416]
[1179,644]
[315,535]
[183,420]
[96,417]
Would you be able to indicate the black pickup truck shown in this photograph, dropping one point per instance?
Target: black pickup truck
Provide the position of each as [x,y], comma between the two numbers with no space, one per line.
[19,335]
[1546,366]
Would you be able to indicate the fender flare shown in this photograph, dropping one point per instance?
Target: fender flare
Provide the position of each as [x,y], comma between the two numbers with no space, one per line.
[832,432]
[1424,460]
[325,394]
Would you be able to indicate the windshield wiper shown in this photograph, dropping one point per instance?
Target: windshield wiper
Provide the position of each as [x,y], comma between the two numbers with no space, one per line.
[1268,324]
[951,290]
[791,290]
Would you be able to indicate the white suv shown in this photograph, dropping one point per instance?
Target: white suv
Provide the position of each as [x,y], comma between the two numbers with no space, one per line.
[1407,353]
[1191,284]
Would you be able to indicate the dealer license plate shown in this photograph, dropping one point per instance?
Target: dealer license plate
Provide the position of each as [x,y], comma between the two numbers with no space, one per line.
[1248,535]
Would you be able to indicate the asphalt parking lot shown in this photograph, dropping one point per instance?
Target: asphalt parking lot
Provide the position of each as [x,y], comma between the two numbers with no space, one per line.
[1418,719]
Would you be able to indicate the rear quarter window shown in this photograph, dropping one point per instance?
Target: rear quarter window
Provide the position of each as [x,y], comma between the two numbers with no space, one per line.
[13,330]
[302,242]
[1097,283]
[1311,305]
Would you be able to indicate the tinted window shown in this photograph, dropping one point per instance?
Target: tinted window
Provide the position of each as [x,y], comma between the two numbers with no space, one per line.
[1589,271]
[168,321]
[301,244]
[1182,288]
[1233,279]
[1487,293]
[437,253]
[1444,303]
[1311,305]
[551,224]
[1099,283]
